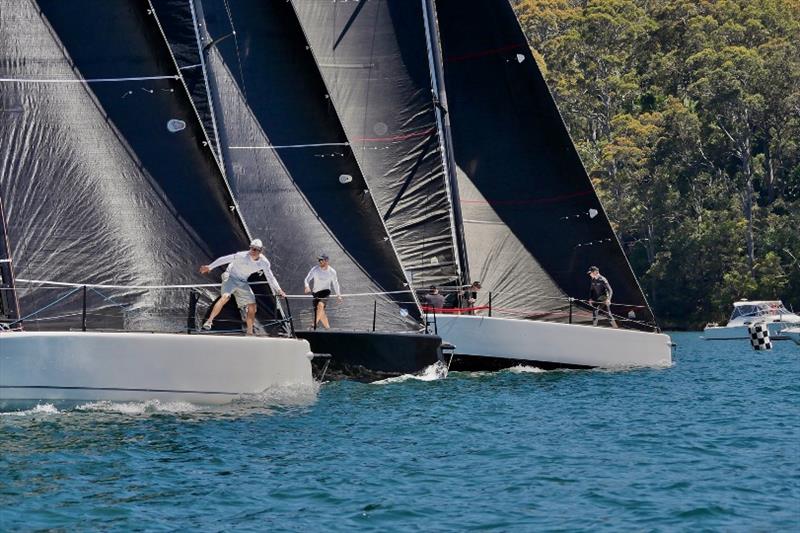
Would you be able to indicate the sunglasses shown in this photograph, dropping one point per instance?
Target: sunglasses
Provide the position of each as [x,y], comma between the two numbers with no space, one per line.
[252,249]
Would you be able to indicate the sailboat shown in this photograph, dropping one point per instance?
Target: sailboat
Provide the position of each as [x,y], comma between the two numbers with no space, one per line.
[524,217]
[109,183]
[293,172]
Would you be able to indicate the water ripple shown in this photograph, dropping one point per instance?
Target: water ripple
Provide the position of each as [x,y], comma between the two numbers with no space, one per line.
[711,443]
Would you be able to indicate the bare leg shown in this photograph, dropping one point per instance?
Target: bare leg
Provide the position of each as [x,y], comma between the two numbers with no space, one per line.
[251,316]
[218,306]
[321,316]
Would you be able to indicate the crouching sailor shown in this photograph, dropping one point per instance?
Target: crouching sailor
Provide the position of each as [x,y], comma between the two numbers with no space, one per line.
[241,266]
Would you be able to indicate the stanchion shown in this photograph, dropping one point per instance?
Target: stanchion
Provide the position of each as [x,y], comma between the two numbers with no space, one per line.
[374,313]
[191,313]
[289,312]
[570,309]
[490,303]
[83,313]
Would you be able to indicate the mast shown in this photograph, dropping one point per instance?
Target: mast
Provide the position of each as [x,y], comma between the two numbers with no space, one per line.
[201,54]
[445,140]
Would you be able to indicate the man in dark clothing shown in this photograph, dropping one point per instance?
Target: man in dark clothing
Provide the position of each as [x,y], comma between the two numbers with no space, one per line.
[600,293]
[471,296]
[434,302]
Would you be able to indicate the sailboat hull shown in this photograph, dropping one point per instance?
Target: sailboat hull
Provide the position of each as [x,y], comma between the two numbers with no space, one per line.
[486,343]
[370,356]
[92,366]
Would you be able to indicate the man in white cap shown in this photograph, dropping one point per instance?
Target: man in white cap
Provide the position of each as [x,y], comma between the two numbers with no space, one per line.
[320,281]
[234,281]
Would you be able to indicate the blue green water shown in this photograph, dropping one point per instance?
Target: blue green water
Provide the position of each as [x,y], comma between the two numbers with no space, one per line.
[712,443]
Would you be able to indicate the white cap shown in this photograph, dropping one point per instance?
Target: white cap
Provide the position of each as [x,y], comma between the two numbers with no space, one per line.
[256,243]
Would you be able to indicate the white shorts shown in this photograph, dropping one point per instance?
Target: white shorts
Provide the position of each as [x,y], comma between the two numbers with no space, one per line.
[240,290]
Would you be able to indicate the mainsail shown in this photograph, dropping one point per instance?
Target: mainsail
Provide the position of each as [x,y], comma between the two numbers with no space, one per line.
[290,166]
[374,59]
[532,219]
[105,169]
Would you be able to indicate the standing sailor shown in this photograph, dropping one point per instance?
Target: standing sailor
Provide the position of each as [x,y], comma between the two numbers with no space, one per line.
[320,281]
[600,293]
[241,266]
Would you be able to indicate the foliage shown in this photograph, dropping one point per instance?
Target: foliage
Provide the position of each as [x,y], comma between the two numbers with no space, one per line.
[687,116]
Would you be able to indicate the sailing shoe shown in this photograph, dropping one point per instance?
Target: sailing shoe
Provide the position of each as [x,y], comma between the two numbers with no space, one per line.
[208,325]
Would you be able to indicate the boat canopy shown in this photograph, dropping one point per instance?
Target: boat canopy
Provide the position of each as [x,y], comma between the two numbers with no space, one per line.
[759,308]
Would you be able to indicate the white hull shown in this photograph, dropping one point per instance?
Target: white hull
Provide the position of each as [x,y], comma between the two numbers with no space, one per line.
[548,342]
[724,333]
[92,366]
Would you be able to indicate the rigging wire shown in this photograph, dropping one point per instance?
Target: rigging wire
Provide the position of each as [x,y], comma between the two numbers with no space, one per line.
[88,80]
[238,55]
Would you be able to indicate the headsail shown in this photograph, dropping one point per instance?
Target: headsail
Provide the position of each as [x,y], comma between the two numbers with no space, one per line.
[107,174]
[289,163]
[532,219]
[374,59]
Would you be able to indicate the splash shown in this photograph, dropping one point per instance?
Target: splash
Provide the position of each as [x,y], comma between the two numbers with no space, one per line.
[434,372]
[40,409]
[139,408]
[523,369]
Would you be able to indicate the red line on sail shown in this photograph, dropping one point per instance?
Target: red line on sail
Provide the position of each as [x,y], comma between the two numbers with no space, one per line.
[528,201]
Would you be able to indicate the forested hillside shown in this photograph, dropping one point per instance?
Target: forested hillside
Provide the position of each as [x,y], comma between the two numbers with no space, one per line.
[687,116]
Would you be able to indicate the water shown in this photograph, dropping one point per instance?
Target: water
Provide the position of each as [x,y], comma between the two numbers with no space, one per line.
[712,443]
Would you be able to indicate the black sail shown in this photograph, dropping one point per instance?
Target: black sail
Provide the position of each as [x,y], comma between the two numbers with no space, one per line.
[532,219]
[290,166]
[105,169]
[374,59]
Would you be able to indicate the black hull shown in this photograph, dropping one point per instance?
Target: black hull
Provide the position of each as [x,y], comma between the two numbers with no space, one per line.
[370,356]
[478,363]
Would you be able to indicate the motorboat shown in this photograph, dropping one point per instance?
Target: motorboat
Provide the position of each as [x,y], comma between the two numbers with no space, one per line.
[792,333]
[131,366]
[747,312]
[490,343]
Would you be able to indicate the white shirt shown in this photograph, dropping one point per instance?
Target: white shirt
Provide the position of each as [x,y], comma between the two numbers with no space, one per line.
[323,279]
[242,266]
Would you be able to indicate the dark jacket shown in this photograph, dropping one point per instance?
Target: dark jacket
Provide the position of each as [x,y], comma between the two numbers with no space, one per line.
[600,289]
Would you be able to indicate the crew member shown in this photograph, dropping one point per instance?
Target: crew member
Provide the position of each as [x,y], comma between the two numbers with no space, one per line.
[241,266]
[434,301]
[600,293]
[320,281]
[471,296]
